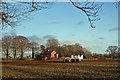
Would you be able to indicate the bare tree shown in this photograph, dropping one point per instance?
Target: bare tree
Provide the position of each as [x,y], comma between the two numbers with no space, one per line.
[68,50]
[14,47]
[112,51]
[90,9]
[22,44]
[13,13]
[78,49]
[53,44]
[34,46]
[6,44]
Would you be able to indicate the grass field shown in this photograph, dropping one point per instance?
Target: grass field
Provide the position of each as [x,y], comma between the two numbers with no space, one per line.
[60,70]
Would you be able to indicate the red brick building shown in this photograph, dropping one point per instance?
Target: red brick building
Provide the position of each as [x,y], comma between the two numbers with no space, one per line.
[47,55]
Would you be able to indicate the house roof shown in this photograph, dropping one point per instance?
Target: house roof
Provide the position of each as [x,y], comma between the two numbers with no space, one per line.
[46,52]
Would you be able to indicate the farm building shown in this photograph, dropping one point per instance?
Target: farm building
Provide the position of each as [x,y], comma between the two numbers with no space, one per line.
[74,58]
[45,55]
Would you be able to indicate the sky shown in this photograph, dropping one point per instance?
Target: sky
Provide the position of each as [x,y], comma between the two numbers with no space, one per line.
[70,25]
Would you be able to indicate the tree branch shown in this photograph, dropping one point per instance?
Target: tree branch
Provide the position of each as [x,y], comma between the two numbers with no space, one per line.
[90,9]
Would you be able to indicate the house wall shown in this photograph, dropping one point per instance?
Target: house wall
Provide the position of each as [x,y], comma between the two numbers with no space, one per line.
[56,55]
[53,54]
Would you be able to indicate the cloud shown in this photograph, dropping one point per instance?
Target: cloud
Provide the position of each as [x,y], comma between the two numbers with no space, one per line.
[80,22]
[101,38]
[40,40]
[114,29]
[34,38]
[49,36]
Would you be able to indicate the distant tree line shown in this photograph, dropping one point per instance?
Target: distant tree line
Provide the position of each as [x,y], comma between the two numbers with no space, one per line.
[113,52]
[20,44]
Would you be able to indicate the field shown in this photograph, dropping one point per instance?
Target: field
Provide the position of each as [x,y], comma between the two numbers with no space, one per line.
[60,70]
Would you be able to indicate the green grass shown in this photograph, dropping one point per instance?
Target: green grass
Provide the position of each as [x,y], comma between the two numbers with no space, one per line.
[49,69]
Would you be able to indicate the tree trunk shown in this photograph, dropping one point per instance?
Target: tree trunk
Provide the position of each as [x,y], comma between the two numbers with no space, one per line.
[14,54]
[33,52]
[7,53]
[22,52]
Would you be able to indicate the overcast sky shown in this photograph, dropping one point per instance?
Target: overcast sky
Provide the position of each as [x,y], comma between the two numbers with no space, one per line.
[69,25]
